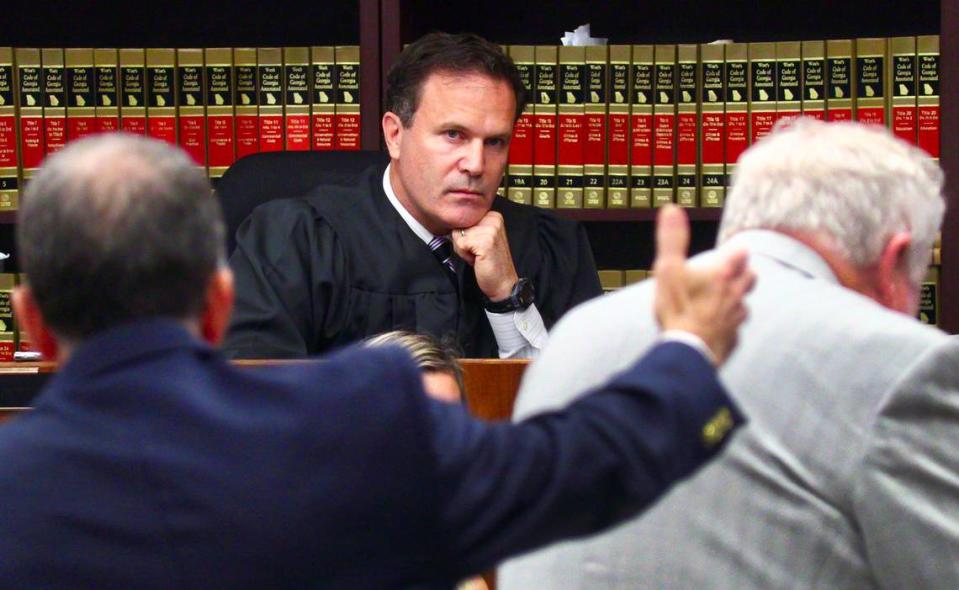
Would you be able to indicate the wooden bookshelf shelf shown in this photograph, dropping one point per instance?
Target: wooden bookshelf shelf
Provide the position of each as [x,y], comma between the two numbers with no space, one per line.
[600,215]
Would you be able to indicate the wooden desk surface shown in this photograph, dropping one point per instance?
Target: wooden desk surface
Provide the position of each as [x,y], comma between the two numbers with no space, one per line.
[491,384]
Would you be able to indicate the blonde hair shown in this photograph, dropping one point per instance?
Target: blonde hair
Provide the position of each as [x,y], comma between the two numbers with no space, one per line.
[429,354]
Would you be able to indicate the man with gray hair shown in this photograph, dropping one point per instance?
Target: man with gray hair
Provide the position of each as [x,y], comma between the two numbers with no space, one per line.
[149,462]
[848,474]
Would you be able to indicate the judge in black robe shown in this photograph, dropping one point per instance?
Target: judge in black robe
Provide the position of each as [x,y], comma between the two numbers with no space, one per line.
[341,264]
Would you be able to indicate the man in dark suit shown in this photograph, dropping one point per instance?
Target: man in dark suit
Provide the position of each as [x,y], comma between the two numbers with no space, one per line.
[150,462]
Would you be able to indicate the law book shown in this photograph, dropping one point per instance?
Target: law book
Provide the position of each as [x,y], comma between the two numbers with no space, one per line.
[814,79]
[839,101]
[296,107]
[54,100]
[901,78]
[133,91]
[9,150]
[737,106]
[664,126]
[107,88]
[544,127]
[929,298]
[611,280]
[687,125]
[635,275]
[712,126]
[519,166]
[641,127]
[870,91]
[571,135]
[30,109]
[762,90]
[321,99]
[594,144]
[618,142]
[927,55]
[81,93]
[501,189]
[788,80]
[247,98]
[7,334]
[347,110]
[269,78]
[191,103]
[161,94]
[220,121]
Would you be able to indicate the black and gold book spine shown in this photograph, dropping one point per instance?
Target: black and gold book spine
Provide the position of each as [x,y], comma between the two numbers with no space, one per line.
[569,181]
[81,92]
[220,121]
[347,130]
[322,97]
[296,83]
[544,138]
[519,168]
[191,104]
[762,90]
[839,81]
[814,79]
[687,126]
[54,100]
[161,94]
[594,145]
[641,127]
[133,91]
[269,72]
[871,103]
[618,142]
[737,105]
[788,80]
[247,97]
[929,123]
[107,87]
[712,127]
[9,148]
[901,87]
[29,84]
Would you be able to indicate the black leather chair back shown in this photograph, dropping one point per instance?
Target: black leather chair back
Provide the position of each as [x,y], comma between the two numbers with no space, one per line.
[259,178]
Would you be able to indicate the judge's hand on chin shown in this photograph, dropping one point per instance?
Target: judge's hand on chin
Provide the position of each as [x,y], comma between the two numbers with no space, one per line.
[704,299]
[485,247]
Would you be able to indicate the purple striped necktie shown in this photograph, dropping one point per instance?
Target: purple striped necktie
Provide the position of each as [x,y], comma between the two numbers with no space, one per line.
[440,245]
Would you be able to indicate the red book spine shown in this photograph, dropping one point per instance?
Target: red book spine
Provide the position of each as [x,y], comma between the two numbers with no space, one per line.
[54,100]
[270,80]
[347,117]
[30,89]
[221,151]
[191,110]
[161,94]
[928,112]
[902,74]
[840,76]
[133,92]
[296,95]
[107,94]
[570,122]
[247,102]
[664,126]
[870,81]
[322,97]
[9,181]
[81,96]
[814,79]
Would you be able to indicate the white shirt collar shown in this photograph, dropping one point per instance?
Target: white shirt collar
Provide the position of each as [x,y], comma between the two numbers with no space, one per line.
[417,227]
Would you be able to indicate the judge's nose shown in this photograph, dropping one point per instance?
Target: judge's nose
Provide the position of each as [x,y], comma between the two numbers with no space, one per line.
[472,158]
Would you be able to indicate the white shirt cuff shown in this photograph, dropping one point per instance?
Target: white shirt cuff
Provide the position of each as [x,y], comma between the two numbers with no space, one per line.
[689,339]
[519,334]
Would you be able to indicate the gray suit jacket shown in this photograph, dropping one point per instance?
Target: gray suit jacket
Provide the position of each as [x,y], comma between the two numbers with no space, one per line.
[847,475]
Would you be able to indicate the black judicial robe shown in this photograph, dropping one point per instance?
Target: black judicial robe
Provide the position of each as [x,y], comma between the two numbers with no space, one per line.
[340,264]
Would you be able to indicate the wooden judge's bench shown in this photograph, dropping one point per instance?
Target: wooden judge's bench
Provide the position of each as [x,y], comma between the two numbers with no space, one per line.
[491,385]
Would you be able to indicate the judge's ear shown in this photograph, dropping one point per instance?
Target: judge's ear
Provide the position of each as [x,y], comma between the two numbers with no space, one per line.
[894,288]
[392,133]
[28,314]
[215,317]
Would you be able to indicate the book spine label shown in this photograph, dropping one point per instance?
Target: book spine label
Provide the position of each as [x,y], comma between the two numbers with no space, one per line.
[687,127]
[220,122]
[81,86]
[569,181]
[269,69]
[617,174]
[712,126]
[840,89]
[7,338]
[107,88]
[247,102]
[544,128]
[9,158]
[762,90]
[664,126]
[641,128]
[870,81]
[296,82]
[347,128]
[133,90]
[902,86]
[788,80]
[54,100]
[161,94]
[594,146]
[519,188]
[324,91]
[30,113]
[814,79]
[929,124]
[737,96]
[191,104]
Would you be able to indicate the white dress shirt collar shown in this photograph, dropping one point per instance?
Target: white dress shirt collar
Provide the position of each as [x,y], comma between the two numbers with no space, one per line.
[417,227]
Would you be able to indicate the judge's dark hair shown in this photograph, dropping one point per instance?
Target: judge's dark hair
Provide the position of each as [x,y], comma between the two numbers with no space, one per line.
[116,228]
[463,53]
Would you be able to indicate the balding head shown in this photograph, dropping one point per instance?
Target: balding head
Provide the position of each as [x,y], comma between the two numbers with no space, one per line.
[116,228]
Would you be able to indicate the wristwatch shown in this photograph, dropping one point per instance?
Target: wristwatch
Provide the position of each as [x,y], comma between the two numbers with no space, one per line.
[519,298]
